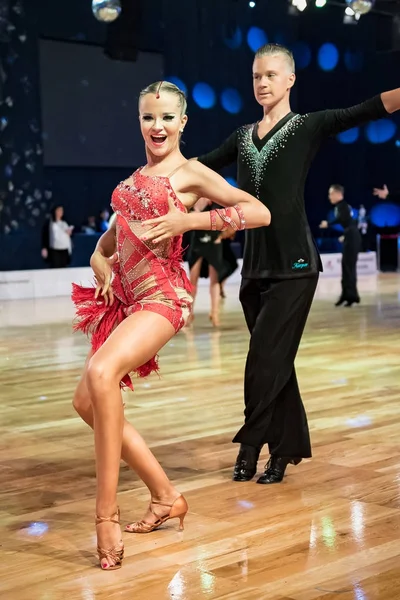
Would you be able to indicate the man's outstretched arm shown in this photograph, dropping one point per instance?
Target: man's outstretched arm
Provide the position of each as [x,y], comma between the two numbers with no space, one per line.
[391,100]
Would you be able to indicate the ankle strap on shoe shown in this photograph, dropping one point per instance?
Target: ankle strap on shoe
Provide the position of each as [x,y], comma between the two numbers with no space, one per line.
[111,519]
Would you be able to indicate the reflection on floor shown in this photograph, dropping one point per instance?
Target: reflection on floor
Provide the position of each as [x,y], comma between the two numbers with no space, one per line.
[329,531]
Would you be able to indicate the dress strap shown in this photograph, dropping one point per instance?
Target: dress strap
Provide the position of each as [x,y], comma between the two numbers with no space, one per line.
[177,169]
[137,171]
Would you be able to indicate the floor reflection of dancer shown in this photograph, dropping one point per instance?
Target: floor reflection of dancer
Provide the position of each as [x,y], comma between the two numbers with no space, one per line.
[343,215]
[206,259]
[148,301]
[280,263]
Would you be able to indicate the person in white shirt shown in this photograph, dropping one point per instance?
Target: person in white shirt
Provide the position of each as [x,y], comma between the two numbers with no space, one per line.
[60,247]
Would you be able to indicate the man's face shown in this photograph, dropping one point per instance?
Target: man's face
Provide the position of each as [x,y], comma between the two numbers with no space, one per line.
[334,196]
[272,79]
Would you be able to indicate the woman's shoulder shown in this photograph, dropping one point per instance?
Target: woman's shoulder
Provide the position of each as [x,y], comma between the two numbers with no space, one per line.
[193,166]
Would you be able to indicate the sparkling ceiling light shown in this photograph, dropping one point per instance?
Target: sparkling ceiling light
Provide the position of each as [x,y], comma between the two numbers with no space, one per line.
[320,3]
[106,10]
[300,4]
[351,17]
[361,7]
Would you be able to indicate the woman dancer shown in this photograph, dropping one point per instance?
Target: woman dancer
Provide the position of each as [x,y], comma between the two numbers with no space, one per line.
[205,259]
[148,301]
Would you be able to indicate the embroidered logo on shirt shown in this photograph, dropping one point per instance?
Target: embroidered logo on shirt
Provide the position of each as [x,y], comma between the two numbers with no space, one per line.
[300,264]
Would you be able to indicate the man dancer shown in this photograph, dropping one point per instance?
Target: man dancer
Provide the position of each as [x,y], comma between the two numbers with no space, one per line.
[280,263]
[351,244]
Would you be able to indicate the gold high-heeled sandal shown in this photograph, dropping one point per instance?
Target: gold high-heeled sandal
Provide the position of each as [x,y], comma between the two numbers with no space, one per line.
[115,554]
[178,510]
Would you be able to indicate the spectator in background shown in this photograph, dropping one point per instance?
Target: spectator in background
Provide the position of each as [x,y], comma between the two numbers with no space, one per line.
[56,240]
[90,227]
[384,194]
[104,221]
[363,227]
[343,215]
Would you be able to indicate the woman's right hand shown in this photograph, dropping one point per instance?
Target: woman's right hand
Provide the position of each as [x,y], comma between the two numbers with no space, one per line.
[102,268]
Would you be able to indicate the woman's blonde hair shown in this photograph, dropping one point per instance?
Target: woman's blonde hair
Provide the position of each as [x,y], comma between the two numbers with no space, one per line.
[166,86]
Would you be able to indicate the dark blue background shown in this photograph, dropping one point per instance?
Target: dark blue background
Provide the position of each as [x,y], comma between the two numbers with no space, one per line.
[192,36]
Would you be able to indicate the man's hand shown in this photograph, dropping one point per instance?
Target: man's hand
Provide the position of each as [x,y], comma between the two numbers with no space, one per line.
[382,193]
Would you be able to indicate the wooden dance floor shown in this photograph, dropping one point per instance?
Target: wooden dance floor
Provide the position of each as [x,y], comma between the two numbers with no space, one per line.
[331,530]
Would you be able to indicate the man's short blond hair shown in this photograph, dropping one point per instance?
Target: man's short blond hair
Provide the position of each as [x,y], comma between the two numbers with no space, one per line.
[274,50]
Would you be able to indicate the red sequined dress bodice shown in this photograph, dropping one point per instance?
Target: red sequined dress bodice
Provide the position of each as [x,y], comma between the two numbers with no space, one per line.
[147,276]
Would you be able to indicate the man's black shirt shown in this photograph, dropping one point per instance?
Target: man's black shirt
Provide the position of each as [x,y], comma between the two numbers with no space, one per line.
[343,215]
[274,169]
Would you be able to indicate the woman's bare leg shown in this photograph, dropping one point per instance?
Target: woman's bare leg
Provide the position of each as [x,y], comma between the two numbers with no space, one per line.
[127,348]
[215,295]
[135,451]
[194,279]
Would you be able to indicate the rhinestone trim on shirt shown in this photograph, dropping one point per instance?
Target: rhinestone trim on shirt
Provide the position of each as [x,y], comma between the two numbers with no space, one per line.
[258,160]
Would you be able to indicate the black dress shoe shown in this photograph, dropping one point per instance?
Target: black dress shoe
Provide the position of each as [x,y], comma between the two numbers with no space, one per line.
[340,301]
[276,467]
[246,463]
[350,302]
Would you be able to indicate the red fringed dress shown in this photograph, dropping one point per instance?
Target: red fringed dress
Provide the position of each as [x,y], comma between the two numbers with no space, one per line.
[147,276]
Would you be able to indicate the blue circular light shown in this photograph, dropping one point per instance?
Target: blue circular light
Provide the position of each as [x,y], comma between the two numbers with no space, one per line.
[8,171]
[302,54]
[385,215]
[280,38]
[354,60]
[350,136]
[204,95]
[231,181]
[256,38]
[178,82]
[328,57]
[231,101]
[379,132]
[235,40]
